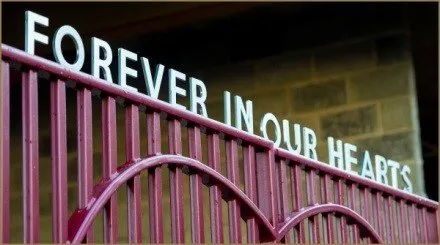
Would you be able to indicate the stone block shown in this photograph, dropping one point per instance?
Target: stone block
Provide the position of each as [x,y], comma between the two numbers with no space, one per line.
[396,113]
[235,78]
[72,169]
[379,84]
[398,146]
[72,192]
[310,121]
[215,110]
[344,57]
[45,231]
[16,204]
[349,123]
[45,145]
[319,96]
[274,101]
[283,70]
[46,199]
[322,151]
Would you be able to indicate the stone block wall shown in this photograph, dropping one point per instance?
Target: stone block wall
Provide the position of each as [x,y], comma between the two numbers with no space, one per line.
[361,91]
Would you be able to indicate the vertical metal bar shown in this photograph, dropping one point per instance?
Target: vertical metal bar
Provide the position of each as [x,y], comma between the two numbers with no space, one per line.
[336,227]
[297,202]
[133,185]
[311,199]
[282,199]
[382,216]
[401,216]
[367,207]
[434,220]
[215,198]
[400,231]
[390,214]
[343,223]
[155,179]
[30,156]
[417,219]
[195,152]
[437,222]
[353,201]
[109,158]
[413,224]
[265,186]
[328,185]
[405,226]
[250,188]
[410,224]
[59,161]
[176,184]
[278,194]
[4,155]
[432,225]
[419,227]
[85,150]
[377,216]
[425,227]
[233,176]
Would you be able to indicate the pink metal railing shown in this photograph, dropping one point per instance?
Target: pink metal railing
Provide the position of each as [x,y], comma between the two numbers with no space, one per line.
[286,197]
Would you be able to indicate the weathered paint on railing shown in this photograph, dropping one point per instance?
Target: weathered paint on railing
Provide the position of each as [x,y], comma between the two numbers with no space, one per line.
[286,197]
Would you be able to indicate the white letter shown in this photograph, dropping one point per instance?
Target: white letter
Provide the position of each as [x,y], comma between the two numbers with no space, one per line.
[309,143]
[173,75]
[153,86]
[30,35]
[348,148]
[227,108]
[381,169]
[123,70]
[286,136]
[79,46]
[97,62]
[404,173]
[335,155]
[394,167]
[263,128]
[194,99]
[367,167]
[247,114]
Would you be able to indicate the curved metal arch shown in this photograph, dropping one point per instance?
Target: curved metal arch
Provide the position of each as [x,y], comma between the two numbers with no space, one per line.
[81,219]
[296,217]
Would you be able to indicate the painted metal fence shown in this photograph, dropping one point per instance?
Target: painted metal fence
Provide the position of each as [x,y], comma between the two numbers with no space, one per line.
[284,197]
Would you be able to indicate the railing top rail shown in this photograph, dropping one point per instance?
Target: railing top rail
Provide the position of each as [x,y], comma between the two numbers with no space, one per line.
[90,81]
[87,80]
[336,172]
